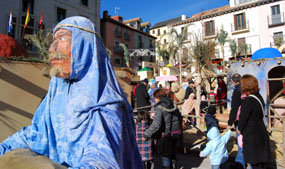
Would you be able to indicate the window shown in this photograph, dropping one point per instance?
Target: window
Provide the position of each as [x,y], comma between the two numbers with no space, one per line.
[240,21]
[165,41]
[278,38]
[150,44]
[164,32]
[28,30]
[117,46]
[182,29]
[276,16]
[84,2]
[241,45]
[158,32]
[209,28]
[238,2]
[140,42]
[118,32]
[127,35]
[26,4]
[61,14]
[117,61]
[153,32]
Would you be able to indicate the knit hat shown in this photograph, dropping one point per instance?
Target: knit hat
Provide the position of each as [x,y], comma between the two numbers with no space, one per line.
[145,80]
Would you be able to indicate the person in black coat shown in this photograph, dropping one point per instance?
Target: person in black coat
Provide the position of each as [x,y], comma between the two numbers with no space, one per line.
[190,89]
[236,100]
[142,96]
[235,104]
[210,118]
[256,147]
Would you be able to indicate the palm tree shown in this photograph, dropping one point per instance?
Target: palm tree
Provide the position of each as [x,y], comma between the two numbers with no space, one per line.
[126,54]
[201,52]
[222,39]
[162,52]
[178,42]
[42,42]
[233,47]
[244,50]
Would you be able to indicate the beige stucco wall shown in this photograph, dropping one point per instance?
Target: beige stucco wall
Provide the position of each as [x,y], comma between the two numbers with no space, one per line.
[22,87]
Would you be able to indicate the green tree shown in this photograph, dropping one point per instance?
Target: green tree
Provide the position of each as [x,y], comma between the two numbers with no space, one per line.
[233,47]
[201,52]
[42,42]
[244,50]
[126,54]
[178,42]
[162,51]
[222,39]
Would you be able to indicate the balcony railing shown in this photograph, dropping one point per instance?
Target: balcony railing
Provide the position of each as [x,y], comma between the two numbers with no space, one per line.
[276,20]
[237,28]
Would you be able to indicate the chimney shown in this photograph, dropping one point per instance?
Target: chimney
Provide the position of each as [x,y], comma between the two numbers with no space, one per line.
[105,14]
[183,17]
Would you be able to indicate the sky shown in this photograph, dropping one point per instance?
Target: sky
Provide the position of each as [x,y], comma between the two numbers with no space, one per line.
[155,11]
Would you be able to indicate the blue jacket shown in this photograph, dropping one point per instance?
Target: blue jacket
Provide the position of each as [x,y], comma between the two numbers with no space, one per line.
[216,147]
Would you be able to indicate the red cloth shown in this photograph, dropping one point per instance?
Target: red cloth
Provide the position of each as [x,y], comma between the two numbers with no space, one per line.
[222,91]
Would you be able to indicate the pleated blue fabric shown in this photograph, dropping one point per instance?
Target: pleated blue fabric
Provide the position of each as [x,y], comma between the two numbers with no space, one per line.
[84,121]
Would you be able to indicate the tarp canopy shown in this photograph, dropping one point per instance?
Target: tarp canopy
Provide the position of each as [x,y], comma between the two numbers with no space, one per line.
[166,78]
[266,53]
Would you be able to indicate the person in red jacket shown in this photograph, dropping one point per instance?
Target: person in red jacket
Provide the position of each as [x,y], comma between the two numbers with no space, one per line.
[222,94]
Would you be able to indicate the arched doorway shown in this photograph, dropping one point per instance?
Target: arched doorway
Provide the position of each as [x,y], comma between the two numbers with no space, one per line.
[276,94]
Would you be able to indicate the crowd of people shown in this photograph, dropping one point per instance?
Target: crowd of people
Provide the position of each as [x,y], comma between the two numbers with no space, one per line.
[246,118]
[85,120]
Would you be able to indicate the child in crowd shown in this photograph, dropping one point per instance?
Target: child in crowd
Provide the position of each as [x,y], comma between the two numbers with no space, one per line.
[216,147]
[142,123]
[212,97]
[210,118]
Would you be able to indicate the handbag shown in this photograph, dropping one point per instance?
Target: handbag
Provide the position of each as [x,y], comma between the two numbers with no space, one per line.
[164,145]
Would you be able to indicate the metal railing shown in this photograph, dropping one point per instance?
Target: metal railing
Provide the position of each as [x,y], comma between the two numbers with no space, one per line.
[277,19]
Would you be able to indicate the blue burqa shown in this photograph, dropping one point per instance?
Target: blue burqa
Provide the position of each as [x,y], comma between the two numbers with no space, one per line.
[84,121]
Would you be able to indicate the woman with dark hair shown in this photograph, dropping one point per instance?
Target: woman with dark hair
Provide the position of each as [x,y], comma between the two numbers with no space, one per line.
[256,148]
[167,120]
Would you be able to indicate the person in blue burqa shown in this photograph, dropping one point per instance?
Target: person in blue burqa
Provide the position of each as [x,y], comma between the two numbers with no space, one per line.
[84,121]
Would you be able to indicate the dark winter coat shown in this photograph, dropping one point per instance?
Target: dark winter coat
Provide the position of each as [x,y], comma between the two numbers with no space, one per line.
[164,109]
[256,148]
[236,102]
[211,121]
[142,97]
[189,90]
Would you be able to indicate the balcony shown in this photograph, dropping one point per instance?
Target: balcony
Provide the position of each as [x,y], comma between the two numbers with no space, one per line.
[275,20]
[237,29]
